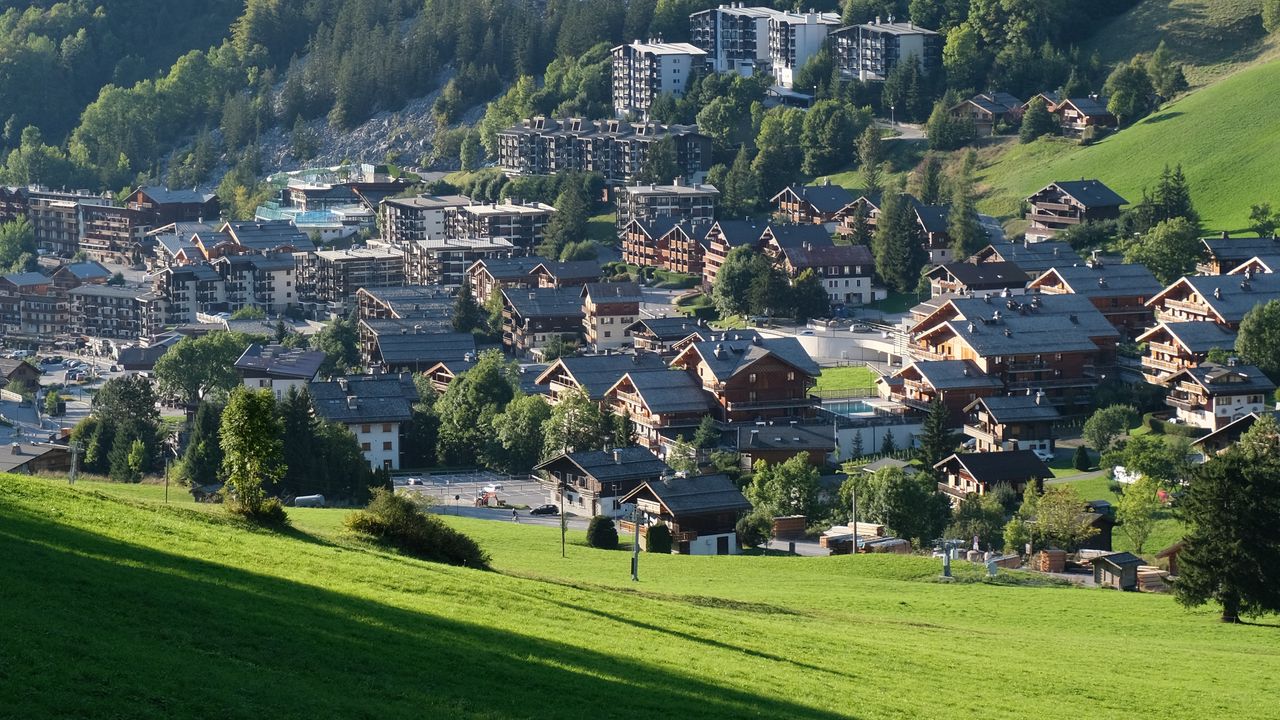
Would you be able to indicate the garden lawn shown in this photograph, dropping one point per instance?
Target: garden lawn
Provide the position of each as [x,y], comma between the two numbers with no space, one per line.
[115,607]
[846,378]
[1167,529]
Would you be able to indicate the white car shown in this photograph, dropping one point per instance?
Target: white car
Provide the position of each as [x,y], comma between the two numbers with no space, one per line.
[1045,455]
[493,487]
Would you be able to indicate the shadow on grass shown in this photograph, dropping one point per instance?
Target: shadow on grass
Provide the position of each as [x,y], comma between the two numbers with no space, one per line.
[98,627]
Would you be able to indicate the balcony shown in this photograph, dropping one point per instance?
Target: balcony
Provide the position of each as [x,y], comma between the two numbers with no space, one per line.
[1190,404]
[767,404]
[1046,219]
[1167,366]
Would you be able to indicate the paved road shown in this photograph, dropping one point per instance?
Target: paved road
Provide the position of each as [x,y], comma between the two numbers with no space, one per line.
[503,515]
[656,302]
[907,131]
[995,231]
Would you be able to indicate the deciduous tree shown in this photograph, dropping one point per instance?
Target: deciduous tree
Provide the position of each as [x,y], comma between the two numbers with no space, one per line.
[1137,511]
[1259,339]
[252,449]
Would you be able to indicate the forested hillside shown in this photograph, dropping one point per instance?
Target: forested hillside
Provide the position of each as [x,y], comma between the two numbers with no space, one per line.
[102,97]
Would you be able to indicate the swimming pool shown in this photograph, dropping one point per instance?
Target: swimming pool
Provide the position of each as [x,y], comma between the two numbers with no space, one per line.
[847,407]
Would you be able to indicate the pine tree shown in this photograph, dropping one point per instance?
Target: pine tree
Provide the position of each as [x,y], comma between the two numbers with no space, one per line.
[930,191]
[871,155]
[466,313]
[741,193]
[855,448]
[935,440]
[860,228]
[202,460]
[1080,460]
[888,446]
[962,224]
[897,245]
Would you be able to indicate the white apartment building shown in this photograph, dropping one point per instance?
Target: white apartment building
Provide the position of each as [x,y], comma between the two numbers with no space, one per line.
[643,71]
[278,369]
[793,39]
[375,408]
[735,38]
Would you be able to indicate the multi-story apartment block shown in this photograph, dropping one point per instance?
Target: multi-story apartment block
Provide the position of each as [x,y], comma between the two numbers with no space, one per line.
[375,408]
[111,233]
[107,312]
[181,292]
[643,71]
[266,282]
[616,149]
[330,278]
[522,224]
[161,206]
[411,219]
[1018,422]
[869,52]
[409,302]
[845,271]
[723,237]
[735,38]
[30,306]
[533,317]
[751,378]
[1120,291]
[444,261]
[794,38]
[485,277]
[56,217]
[1062,205]
[1221,299]
[608,310]
[1213,396]
[680,201]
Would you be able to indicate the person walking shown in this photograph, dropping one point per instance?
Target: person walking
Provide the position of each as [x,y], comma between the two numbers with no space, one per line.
[515,516]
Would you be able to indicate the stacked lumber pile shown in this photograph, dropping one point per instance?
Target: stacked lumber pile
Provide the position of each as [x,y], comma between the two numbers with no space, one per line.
[1152,579]
[1051,560]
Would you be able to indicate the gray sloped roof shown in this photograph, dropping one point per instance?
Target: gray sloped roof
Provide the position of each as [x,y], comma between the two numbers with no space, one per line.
[996,467]
[1090,105]
[1092,193]
[738,233]
[1036,323]
[952,374]
[1109,280]
[282,362]
[24,279]
[510,268]
[1119,560]
[983,276]
[595,374]
[825,198]
[670,391]
[1220,380]
[572,269]
[666,329]
[1034,257]
[165,196]
[202,272]
[694,495]
[791,236]
[1016,408]
[1201,337]
[933,218]
[1235,295]
[86,270]
[424,348]
[783,436]
[829,255]
[545,302]
[726,358]
[629,463]
[619,292]
[266,235]
[1240,248]
[378,398]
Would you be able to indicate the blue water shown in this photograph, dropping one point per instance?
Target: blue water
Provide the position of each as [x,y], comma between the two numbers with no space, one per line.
[847,407]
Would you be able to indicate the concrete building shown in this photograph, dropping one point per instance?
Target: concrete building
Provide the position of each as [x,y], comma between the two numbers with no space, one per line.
[679,201]
[411,219]
[522,224]
[869,52]
[735,38]
[266,282]
[56,217]
[106,312]
[793,39]
[330,278]
[375,408]
[608,310]
[444,261]
[644,70]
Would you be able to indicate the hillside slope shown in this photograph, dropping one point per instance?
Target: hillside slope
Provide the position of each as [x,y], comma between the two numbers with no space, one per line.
[1222,135]
[120,608]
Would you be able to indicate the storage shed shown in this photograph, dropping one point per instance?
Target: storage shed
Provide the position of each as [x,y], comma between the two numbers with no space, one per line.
[1118,570]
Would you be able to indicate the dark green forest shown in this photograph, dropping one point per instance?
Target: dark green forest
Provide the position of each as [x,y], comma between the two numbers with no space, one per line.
[101,96]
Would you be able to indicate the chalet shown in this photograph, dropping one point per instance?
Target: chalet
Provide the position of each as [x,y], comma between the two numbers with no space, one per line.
[1224,437]
[779,442]
[407,302]
[1049,98]
[444,372]
[1257,265]
[35,458]
[1018,422]
[1058,344]
[1061,205]
[73,275]
[979,473]
[742,335]
[1220,254]
[988,111]
[174,244]
[1076,114]
[375,408]
[778,237]
[934,230]
[1118,571]
[957,383]
[19,371]
[753,379]
[724,236]
[565,274]
[640,240]
[532,318]
[1120,291]
[966,278]
[865,205]
[1222,299]
[659,404]
[1176,346]
[657,335]
[701,512]
[161,206]
[278,369]
[592,374]
[491,275]
[608,309]
[393,346]
[1212,396]
[812,204]
[1033,257]
[845,271]
[683,247]
[593,482]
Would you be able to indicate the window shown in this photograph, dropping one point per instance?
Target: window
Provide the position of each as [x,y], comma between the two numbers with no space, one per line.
[364,446]
[386,445]
[751,378]
[791,375]
[364,428]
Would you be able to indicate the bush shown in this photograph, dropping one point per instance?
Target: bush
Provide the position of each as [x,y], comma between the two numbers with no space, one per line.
[658,539]
[1159,426]
[396,521]
[753,529]
[269,513]
[1080,460]
[602,533]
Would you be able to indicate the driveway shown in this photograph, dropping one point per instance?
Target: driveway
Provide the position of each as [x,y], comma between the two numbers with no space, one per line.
[655,302]
[993,228]
[906,131]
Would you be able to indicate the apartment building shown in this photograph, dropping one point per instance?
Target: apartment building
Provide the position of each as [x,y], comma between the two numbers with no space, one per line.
[181,292]
[522,224]
[751,378]
[107,312]
[616,149]
[869,52]
[642,71]
[330,278]
[1221,299]
[794,38]
[680,201]
[532,317]
[1119,291]
[266,282]
[735,38]
[56,217]
[111,233]
[1061,205]
[608,310]
[1175,346]
[278,369]
[413,219]
[375,408]
[723,237]
[159,206]
[955,383]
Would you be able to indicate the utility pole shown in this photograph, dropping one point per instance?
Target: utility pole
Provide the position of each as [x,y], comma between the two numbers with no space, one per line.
[75,461]
[635,544]
[854,488]
[564,524]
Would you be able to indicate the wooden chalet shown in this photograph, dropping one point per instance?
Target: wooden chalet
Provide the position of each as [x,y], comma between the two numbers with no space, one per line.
[683,248]
[779,442]
[845,271]
[987,111]
[956,382]
[659,335]
[1120,291]
[979,473]
[967,278]
[1032,257]
[700,512]
[565,274]
[724,236]
[1218,441]
[1058,344]
[812,204]
[491,275]
[532,317]
[1213,396]
[754,378]
[640,240]
[1076,114]
[1061,205]
[19,371]
[593,482]
[1006,423]
[1219,255]
[659,404]
[1257,265]
[1175,346]
[593,375]
[1222,299]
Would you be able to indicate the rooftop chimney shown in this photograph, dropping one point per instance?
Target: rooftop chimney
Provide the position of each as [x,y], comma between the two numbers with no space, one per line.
[617,456]
[352,403]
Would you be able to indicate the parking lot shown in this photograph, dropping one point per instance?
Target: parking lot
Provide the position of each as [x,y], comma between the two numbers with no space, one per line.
[462,489]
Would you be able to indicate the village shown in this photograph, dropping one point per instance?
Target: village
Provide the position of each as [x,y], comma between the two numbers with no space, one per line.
[997,392]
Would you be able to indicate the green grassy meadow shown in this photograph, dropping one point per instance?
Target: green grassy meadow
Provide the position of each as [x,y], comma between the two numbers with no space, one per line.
[117,606]
[1221,135]
[1167,530]
[846,378]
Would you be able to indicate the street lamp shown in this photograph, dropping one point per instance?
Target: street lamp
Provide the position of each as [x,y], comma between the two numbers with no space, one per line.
[892,118]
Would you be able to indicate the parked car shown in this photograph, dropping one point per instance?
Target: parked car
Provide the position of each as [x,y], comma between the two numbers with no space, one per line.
[493,487]
[859,328]
[1045,455]
[545,510]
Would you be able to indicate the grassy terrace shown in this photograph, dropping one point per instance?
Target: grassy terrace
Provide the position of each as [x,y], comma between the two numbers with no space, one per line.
[120,607]
[845,378]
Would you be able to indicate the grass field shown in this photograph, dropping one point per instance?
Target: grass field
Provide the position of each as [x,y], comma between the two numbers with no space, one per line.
[1166,531]
[117,607]
[846,378]
[1217,134]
